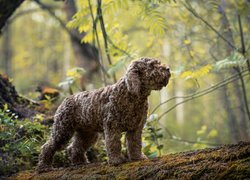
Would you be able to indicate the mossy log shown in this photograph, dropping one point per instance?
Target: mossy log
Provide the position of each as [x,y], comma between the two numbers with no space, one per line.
[225,162]
[16,103]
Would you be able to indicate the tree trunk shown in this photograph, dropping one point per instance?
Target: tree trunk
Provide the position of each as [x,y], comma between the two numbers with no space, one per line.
[237,113]
[231,118]
[15,103]
[86,55]
[7,51]
[7,7]
[8,94]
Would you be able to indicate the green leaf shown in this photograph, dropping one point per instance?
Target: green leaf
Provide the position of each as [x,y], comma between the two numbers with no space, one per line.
[159,136]
[152,117]
[5,107]
[236,59]
[153,155]
[202,130]
[155,22]
[212,134]
[147,148]
[160,147]
[67,82]
[117,66]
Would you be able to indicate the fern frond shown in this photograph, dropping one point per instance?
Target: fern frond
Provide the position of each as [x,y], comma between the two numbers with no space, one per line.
[155,22]
[213,4]
[115,5]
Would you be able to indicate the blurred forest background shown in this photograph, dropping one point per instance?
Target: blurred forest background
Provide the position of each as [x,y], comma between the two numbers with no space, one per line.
[62,47]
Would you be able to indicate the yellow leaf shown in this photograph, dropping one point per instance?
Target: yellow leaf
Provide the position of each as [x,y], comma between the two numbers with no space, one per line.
[186,74]
[84,28]
[88,38]
[202,130]
[213,133]
[187,41]
[73,73]
[198,73]
[191,53]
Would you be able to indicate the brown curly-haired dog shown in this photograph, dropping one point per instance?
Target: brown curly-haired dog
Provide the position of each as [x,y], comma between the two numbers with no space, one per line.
[121,107]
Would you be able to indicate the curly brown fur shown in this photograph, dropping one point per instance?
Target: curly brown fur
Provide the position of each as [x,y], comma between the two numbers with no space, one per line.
[121,107]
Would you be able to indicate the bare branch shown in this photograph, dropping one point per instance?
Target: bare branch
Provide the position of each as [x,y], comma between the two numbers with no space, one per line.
[244,91]
[29,11]
[193,142]
[179,139]
[188,6]
[104,33]
[98,44]
[199,93]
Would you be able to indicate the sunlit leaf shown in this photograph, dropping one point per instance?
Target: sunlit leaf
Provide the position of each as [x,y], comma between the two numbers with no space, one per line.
[198,73]
[202,130]
[213,133]
[187,41]
[88,38]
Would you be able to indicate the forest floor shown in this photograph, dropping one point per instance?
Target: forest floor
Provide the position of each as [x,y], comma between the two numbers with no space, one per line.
[225,162]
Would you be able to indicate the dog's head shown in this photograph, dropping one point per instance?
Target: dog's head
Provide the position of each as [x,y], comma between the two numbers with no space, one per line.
[147,73]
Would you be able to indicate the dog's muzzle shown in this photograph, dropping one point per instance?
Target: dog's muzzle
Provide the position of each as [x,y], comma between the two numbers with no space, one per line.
[168,75]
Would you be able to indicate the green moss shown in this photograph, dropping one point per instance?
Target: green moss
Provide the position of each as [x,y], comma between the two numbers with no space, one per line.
[227,162]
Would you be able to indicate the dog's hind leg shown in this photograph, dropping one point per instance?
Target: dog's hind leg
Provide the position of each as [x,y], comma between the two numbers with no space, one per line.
[82,141]
[62,131]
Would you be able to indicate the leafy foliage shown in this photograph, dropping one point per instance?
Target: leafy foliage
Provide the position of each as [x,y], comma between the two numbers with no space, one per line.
[152,135]
[73,76]
[20,142]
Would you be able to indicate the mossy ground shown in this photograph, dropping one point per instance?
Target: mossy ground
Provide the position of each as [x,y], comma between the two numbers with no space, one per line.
[226,162]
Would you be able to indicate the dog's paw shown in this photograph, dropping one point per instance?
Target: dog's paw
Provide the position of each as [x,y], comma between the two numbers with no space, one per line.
[43,168]
[143,157]
[117,160]
[138,158]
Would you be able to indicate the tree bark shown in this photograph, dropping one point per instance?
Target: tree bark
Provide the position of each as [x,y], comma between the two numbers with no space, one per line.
[86,55]
[7,7]
[7,51]
[231,118]
[22,107]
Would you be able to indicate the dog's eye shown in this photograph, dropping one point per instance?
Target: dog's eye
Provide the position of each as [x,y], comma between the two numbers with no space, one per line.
[162,68]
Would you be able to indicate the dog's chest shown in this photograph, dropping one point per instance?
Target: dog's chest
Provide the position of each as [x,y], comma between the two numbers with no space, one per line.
[133,114]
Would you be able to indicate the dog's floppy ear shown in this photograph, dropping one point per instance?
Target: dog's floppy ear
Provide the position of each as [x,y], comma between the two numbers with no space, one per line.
[132,79]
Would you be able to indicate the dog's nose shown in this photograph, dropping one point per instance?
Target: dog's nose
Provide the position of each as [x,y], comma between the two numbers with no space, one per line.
[168,68]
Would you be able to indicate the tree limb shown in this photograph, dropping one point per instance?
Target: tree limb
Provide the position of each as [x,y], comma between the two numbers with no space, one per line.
[199,93]
[192,11]
[104,33]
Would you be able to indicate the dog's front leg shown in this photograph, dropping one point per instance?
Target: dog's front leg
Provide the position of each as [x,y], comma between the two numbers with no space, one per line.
[113,145]
[134,145]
